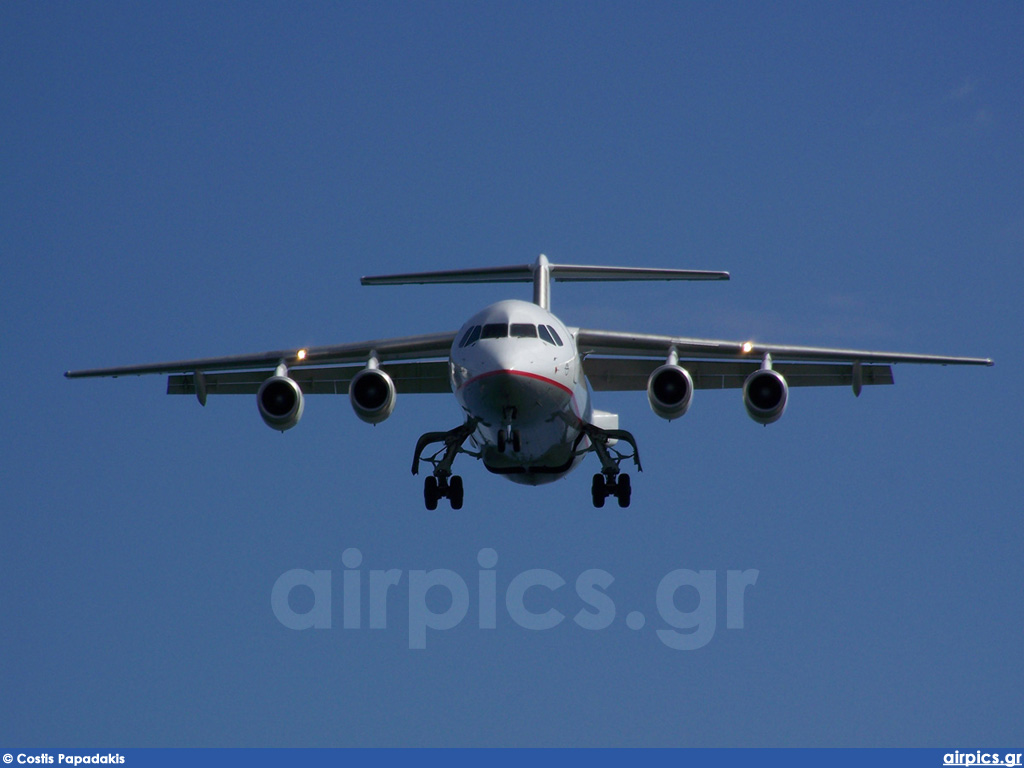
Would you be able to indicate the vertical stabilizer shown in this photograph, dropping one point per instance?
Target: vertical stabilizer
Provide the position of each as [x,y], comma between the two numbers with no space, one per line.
[542,282]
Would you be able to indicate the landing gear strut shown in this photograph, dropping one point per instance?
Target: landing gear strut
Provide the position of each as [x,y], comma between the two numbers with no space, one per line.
[609,481]
[442,484]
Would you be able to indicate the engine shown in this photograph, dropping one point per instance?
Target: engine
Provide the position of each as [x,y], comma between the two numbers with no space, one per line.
[280,402]
[669,391]
[765,393]
[372,394]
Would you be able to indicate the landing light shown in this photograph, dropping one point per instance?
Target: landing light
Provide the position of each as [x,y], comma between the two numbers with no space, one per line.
[747,346]
[301,354]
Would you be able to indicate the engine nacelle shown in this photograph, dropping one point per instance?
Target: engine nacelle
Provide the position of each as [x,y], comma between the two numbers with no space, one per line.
[670,391]
[765,393]
[372,394]
[280,402]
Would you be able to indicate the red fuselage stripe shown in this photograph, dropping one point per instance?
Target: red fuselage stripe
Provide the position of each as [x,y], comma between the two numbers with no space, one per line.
[526,374]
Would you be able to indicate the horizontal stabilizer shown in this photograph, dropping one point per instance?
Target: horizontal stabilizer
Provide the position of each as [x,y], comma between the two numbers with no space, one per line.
[581,273]
[558,272]
[516,274]
[541,273]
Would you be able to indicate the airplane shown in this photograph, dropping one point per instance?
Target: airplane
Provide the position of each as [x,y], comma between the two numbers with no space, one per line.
[525,380]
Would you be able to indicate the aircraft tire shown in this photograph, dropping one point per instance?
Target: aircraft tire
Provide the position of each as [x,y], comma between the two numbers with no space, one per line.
[430,494]
[455,491]
[597,491]
[623,490]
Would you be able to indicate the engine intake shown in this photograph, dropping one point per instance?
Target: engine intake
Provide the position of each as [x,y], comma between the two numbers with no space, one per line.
[765,393]
[372,394]
[280,402]
[669,391]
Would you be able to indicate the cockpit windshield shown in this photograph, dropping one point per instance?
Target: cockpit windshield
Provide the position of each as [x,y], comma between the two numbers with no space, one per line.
[470,336]
[494,331]
[515,330]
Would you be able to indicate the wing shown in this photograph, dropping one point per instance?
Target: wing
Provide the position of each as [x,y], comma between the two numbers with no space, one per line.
[610,374]
[717,364]
[317,370]
[409,378]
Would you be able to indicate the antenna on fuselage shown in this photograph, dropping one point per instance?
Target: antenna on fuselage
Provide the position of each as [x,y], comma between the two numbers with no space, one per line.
[541,273]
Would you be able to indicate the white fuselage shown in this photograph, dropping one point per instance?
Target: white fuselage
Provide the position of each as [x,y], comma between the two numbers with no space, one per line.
[514,367]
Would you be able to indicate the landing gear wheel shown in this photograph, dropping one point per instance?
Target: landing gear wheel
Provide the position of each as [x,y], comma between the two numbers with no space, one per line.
[623,490]
[597,490]
[455,491]
[430,492]
[501,441]
[516,445]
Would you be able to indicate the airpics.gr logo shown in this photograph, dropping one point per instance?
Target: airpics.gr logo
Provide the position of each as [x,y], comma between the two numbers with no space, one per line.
[981,758]
[440,599]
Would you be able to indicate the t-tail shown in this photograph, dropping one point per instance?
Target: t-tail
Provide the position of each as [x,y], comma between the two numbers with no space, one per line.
[541,273]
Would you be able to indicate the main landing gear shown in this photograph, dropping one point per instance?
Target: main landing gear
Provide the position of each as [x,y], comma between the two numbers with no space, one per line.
[610,481]
[618,487]
[435,488]
[442,484]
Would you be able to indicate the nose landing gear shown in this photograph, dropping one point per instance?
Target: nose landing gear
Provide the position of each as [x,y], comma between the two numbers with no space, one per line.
[507,434]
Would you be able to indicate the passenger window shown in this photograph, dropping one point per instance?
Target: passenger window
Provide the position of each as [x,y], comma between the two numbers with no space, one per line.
[555,336]
[494,331]
[545,334]
[523,331]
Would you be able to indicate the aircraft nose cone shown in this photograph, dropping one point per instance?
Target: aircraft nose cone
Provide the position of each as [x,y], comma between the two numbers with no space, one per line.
[498,355]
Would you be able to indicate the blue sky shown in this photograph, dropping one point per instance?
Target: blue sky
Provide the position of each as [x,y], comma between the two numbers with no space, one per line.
[187,179]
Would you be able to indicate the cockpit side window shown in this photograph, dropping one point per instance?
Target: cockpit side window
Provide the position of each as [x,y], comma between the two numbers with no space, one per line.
[494,331]
[470,336]
[545,334]
[555,336]
[523,331]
